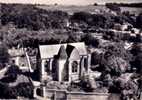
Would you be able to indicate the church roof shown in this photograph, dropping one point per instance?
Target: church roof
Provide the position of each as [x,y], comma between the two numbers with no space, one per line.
[72,52]
[62,53]
[49,51]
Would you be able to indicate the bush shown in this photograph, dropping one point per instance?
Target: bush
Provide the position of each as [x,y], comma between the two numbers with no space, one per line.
[139,21]
[113,7]
[6,92]
[4,56]
[11,74]
[90,40]
[24,90]
[87,84]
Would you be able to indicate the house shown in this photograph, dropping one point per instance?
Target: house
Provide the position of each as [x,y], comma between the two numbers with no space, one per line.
[63,62]
[17,56]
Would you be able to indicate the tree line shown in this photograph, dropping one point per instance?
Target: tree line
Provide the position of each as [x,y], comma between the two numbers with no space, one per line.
[139,5]
[33,18]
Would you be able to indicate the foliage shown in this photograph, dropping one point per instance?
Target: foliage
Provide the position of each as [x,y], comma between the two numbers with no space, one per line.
[113,7]
[139,21]
[32,26]
[114,65]
[136,49]
[90,40]
[34,38]
[95,58]
[87,84]
[138,62]
[11,74]
[30,17]
[4,56]
[116,59]
[24,90]
[6,92]
[74,37]
[137,53]
[130,4]
[118,50]
[128,89]
[82,16]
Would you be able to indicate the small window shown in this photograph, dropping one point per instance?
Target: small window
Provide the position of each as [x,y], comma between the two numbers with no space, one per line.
[74,67]
[23,65]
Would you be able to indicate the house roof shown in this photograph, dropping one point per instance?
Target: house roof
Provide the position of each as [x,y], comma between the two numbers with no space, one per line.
[15,52]
[49,51]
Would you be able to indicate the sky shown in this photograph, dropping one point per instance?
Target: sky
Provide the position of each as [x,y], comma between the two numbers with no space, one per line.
[69,2]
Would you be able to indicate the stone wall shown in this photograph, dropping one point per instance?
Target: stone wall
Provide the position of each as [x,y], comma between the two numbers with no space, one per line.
[92,96]
[53,94]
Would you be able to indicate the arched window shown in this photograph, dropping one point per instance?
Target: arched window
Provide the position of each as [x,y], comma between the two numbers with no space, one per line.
[86,64]
[47,66]
[38,91]
[74,67]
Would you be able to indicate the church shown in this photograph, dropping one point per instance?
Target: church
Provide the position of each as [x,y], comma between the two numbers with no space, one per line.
[63,62]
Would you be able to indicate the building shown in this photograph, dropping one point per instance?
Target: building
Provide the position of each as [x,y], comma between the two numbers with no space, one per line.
[17,57]
[20,58]
[63,62]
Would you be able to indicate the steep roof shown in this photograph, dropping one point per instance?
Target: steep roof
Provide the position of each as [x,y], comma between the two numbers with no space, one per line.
[72,52]
[74,55]
[49,51]
[62,53]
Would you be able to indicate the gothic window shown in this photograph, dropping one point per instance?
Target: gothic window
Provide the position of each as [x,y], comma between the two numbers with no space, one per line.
[74,67]
[38,92]
[47,66]
[86,63]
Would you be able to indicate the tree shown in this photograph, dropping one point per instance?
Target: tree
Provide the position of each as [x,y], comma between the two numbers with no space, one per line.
[113,7]
[127,88]
[118,50]
[95,58]
[137,55]
[136,49]
[137,63]
[116,59]
[4,56]
[11,74]
[24,90]
[95,4]
[90,40]
[139,21]
[114,65]
[32,17]
[6,92]
[82,16]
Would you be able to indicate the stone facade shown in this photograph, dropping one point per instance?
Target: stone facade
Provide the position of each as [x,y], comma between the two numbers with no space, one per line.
[63,62]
